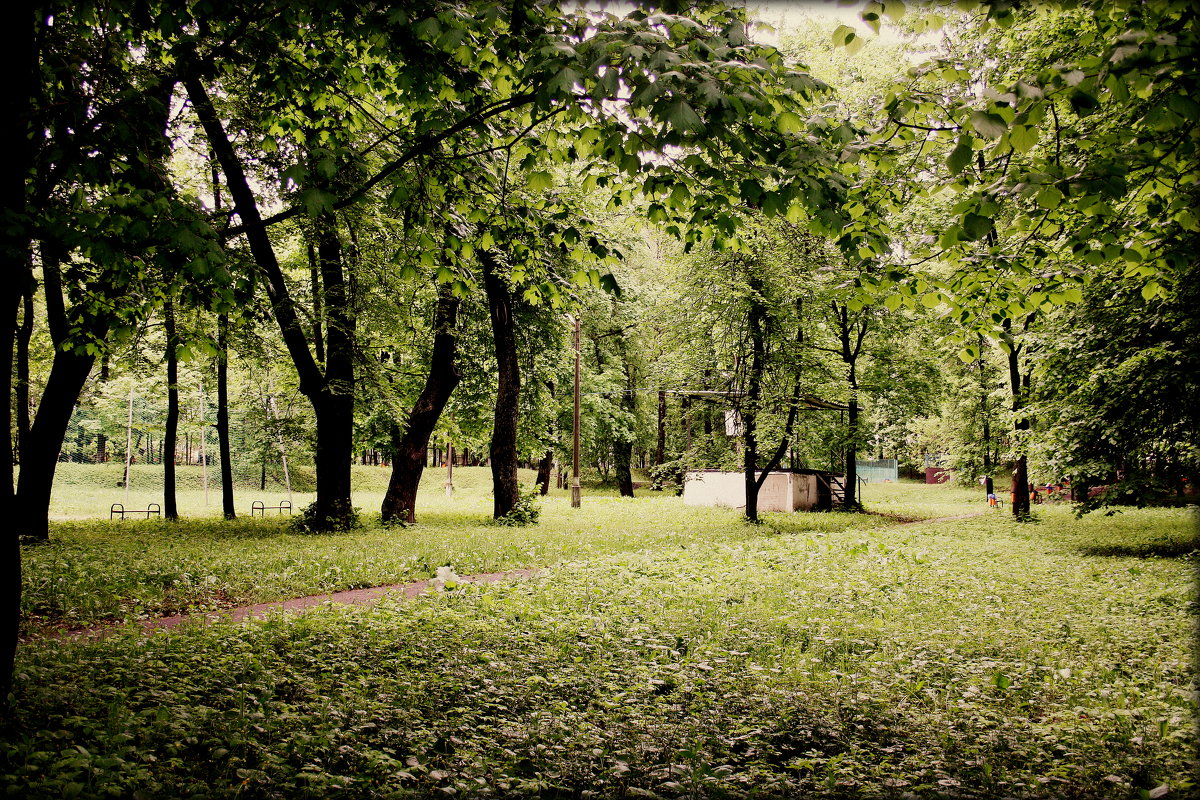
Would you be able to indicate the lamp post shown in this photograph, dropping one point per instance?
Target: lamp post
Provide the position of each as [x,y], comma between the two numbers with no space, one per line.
[575,492]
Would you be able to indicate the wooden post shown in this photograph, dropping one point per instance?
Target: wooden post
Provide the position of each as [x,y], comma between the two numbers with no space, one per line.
[128,444]
[203,440]
[273,409]
[576,495]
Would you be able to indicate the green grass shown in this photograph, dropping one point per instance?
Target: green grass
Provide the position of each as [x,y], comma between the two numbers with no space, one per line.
[114,570]
[670,652]
[86,491]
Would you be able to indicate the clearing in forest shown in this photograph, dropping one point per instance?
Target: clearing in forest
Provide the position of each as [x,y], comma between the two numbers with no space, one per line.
[667,650]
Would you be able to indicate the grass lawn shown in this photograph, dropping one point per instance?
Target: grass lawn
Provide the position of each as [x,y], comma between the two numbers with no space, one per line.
[671,651]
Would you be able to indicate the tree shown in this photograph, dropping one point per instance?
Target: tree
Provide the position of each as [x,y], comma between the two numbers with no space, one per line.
[409,447]
[1075,154]
[170,443]
[1118,398]
[86,183]
[850,330]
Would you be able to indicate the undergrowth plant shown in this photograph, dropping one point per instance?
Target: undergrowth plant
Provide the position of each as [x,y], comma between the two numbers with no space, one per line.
[669,652]
[525,511]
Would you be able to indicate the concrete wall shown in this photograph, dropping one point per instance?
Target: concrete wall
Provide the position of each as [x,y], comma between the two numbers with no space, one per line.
[781,491]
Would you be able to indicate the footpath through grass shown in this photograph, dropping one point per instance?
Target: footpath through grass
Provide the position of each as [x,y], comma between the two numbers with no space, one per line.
[671,652]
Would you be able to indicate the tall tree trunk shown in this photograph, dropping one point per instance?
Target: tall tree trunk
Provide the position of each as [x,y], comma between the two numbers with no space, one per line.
[851,501]
[408,449]
[19,60]
[503,450]
[24,335]
[170,438]
[987,445]
[1020,473]
[622,464]
[623,446]
[314,271]
[985,411]
[543,473]
[225,454]
[335,401]
[68,373]
[685,414]
[331,393]
[852,333]
[660,448]
[756,320]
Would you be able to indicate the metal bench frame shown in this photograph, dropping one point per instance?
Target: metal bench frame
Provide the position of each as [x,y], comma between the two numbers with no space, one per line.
[257,507]
[118,509]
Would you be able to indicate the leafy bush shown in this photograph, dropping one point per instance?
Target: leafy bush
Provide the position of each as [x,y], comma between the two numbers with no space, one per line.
[526,510]
[1137,489]
[669,475]
[343,518]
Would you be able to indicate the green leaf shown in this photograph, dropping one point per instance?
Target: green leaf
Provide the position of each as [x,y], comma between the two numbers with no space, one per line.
[988,125]
[843,35]
[892,302]
[1001,681]
[683,117]
[564,81]
[294,174]
[427,29]
[316,202]
[1049,198]
[540,181]
[949,237]
[750,190]
[976,226]
[1084,103]
[894,9]
[960,156]
[608,283]
[789,123]
[1022,138]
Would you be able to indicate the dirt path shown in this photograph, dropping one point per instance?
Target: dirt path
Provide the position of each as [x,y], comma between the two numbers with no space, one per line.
[356,597]
[944,519]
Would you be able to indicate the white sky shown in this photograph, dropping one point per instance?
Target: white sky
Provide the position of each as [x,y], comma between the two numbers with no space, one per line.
[783,14]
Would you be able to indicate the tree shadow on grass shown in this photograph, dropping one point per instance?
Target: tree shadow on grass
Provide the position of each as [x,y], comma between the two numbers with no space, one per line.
[1156,549]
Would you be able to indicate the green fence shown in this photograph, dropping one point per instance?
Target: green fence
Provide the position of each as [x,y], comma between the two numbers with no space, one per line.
[878,471]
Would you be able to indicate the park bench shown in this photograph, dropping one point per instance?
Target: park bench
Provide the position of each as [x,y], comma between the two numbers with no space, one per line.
[118,508]
[257,507]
